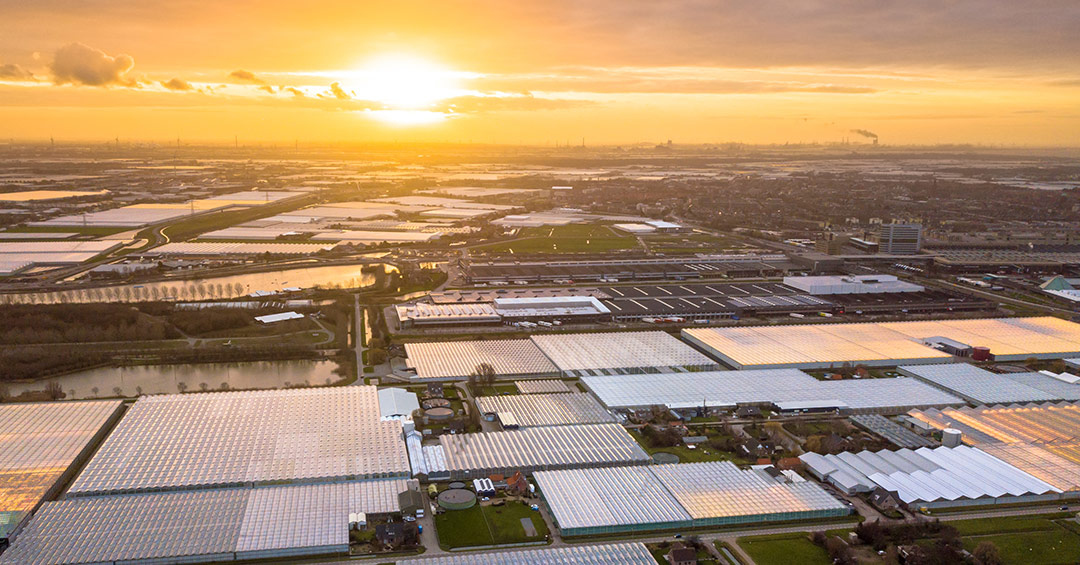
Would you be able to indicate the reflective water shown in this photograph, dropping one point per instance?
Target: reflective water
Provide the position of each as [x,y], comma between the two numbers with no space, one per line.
[337,276]
[155,379]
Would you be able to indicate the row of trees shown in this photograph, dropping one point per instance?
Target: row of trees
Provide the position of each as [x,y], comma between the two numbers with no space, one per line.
[20,324]
[130,293]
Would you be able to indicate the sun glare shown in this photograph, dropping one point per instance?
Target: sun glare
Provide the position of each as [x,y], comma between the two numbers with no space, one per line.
[404,82]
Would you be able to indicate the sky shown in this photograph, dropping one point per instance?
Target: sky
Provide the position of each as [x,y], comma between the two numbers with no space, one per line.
[523,72]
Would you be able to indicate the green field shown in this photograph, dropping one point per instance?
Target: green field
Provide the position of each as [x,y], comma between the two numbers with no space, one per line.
[1044,539]
[488,525]
[497,390]
[572,238]
[700,454]
[1041,539]
[782,549]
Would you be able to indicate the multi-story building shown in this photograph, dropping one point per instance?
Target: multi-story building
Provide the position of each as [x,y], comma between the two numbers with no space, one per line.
[900,239]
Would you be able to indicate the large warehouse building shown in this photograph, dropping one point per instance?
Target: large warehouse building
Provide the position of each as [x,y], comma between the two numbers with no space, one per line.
[885,344]
[528,450]
[41,445]
[605,554]
[787,389]
[530,410]
[554,354]
[663,497]
[979,386]
[202,525]
[619,352]
[1040,439]
[172,442]
[456,360]
[932,478]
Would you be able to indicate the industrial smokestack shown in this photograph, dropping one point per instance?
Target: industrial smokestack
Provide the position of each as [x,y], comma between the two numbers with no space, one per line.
[866,133]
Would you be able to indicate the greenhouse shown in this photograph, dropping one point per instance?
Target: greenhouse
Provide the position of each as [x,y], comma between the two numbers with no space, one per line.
[201,525]
[1040,439]
[530,410]
[980,386]
[818,346]
[634,352]
[541,386]
[726,389]
[604,554]
[884,344]
[456,360]
[40,446]
[538,449]
[933,478]
[243,438]
[664,497]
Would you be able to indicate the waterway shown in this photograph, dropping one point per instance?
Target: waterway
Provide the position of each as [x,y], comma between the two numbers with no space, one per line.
[157,379]
[234,286]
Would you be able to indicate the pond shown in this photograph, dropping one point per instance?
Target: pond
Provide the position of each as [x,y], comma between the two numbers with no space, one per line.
[156,379]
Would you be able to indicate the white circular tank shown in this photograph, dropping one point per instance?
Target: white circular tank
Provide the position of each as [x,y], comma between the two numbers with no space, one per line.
[951,437]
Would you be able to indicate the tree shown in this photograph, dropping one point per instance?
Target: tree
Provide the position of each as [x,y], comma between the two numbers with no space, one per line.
[94,391]
[203,386]
[5,394]
[181,386]
[117,391]
[839,551]
[225,386]
[138,391]
[485,374]
[986,553]
[377,356]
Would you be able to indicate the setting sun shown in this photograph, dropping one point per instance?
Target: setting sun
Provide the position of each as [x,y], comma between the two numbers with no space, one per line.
[405,82]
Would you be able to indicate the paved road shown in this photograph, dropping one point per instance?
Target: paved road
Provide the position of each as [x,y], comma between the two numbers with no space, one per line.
[359,336]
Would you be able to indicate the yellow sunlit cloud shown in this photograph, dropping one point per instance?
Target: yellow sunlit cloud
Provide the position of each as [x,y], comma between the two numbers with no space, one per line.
[617,72]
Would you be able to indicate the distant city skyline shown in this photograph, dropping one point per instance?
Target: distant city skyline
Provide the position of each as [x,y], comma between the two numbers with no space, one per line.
[540,73]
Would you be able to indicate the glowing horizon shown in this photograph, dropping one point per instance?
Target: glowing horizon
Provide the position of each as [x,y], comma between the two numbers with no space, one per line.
[531,73]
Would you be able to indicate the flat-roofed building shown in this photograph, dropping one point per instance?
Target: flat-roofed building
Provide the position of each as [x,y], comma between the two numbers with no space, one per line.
[537,449]
[180,441]
[611,352]
[271,522]
[933,478]
[900,239]
[1040,439]
[41,445]
[456,360]
[851,284]
[610,500]
[599,554]
[788,389]
[885,344]
[530,410]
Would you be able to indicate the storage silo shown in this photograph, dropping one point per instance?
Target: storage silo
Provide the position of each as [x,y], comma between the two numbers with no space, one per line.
[951,437]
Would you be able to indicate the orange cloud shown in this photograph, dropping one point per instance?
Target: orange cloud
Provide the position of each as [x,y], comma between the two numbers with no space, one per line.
[76,63]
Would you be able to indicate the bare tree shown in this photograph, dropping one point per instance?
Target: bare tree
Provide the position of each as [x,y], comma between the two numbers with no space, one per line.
[181,386]
[94,391]
[204,386]
[54,390]
[117,391]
